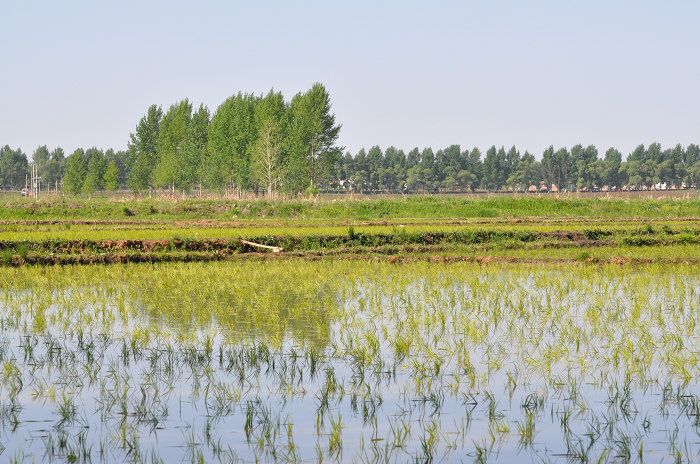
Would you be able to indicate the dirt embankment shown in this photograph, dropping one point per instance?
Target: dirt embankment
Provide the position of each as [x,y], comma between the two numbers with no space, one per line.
[347,222]
[362,242]
[153,258]
[397,247]
[305,242]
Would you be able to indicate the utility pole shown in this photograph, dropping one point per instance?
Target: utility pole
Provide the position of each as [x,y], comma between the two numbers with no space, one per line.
[35,181]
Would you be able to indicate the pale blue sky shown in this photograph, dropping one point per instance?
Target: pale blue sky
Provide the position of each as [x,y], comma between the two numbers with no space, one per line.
[612,73]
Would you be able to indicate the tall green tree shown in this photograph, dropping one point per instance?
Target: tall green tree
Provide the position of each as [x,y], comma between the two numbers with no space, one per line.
[511,164]
[584,169]
[427,171]
[612,163]
[527,173]
[311,140]
[192,163]
[549,167]
[494,168]
[14,168]
[640,167]
[41,158]
[143,150]
[267,151]
[676,156]
[375,161]
[111,176]
[120,159]
[347,166]
[53,170]
[231,136]
[473,169]
[96,166]
[564,168]
[394,169]
[76,170]
[692,157]
[360,176]
[174,129]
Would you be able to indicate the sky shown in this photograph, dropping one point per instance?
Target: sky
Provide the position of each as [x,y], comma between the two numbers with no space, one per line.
[403,73]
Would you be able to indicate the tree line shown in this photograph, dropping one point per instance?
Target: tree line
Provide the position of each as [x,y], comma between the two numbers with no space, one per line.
[269,145]
[455,170]
[250,143]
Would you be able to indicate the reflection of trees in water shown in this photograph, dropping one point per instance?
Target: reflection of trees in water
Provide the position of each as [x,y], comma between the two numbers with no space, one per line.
[243,300]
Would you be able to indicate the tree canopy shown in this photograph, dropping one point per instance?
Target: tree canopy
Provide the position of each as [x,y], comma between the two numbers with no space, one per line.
[265,144]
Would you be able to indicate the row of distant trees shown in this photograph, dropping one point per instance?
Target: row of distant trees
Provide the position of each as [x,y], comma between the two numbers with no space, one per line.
[376,170]
[454,170]
[266,144]
[83,171]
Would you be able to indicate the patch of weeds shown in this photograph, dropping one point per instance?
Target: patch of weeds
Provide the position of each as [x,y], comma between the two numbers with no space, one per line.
[7,256]
[478,236]
[401,234]
[485,213]
[596,234]
[686,239]
[638,240]
[128,211]
[527,236]
[23,250]
[311,191]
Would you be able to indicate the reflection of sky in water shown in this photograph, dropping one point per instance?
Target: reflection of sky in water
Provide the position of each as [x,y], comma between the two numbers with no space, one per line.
[182,399]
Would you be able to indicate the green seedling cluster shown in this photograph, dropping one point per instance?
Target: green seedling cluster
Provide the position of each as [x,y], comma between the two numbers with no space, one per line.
[346,361]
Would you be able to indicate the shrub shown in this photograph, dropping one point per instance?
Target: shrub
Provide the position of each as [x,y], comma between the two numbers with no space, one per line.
[311,191]
[23,250]
[596,234]
[7,256]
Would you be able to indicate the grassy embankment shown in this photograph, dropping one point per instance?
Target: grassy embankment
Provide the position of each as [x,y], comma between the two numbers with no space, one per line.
[76,230]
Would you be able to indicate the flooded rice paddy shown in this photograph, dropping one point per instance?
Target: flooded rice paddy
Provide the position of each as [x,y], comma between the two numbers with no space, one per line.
[349,361]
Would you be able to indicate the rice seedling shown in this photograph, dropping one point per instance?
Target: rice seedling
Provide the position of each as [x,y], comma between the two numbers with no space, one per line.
[23,250]
[7,256]
[419,361]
